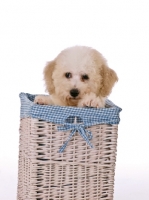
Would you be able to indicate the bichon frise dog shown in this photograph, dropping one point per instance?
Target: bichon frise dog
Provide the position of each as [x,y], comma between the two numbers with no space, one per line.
[78,76]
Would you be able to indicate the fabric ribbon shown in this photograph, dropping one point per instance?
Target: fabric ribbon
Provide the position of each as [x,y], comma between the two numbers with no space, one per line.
[80,128]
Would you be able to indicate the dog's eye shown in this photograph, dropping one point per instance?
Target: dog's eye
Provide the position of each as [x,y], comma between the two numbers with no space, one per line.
[84,77]
[68,75]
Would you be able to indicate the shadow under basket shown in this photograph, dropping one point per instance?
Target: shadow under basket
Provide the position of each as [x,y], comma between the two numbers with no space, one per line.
[58,158]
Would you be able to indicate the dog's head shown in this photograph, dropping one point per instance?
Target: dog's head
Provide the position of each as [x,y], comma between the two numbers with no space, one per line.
[77,71]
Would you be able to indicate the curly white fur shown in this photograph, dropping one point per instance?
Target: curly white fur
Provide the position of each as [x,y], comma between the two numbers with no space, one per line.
[78,76]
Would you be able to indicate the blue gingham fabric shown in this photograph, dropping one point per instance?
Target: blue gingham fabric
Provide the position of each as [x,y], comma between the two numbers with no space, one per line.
[70,118]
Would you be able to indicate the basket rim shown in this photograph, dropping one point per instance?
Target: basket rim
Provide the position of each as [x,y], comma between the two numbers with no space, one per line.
[59,114]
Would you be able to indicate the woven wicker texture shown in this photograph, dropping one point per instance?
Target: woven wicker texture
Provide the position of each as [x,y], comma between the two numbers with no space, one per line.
[79,173]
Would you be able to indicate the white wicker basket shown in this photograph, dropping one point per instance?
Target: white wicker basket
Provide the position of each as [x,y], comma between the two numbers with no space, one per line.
[79,172]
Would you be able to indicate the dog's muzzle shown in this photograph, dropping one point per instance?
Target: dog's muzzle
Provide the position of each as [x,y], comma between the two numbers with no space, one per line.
[74,92]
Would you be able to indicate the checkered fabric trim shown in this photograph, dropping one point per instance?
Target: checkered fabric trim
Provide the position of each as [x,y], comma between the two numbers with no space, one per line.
[65,116]
[80,128]
[26,104]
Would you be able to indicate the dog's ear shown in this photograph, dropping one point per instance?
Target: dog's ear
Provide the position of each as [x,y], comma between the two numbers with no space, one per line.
[48,71]
[109,77]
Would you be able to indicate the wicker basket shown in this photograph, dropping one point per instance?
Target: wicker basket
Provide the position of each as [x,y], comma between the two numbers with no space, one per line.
[54,168]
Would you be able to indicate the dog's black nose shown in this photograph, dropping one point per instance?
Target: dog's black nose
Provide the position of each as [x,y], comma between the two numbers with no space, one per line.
[74,92]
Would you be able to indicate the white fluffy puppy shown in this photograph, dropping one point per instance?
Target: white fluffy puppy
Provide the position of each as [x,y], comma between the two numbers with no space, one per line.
[78,76]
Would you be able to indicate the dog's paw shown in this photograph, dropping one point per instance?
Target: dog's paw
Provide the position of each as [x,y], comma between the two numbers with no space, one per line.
[41,99]
[91,100]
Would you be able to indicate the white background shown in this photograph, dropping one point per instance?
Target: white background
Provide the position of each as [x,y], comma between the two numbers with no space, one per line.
[33,32]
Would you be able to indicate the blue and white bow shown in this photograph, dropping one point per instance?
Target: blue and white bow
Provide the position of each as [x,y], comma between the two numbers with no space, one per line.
[80,128]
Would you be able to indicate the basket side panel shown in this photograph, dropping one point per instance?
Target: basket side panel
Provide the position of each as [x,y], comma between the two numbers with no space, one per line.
[78,173]
[24,170]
